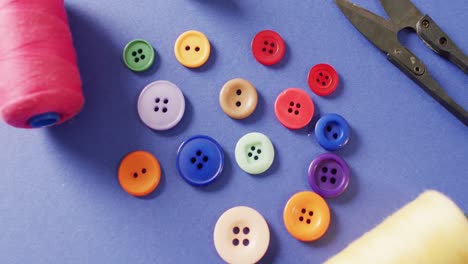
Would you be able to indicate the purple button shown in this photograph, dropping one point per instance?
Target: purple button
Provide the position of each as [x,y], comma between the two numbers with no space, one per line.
[328,175]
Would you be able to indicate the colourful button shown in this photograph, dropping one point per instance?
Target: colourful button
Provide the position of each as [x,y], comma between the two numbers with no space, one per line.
[306,216]
[138,55]
[254,153]
[328,175]
[238,98]
[241,235]
[268,47]
[323,79]
[192,49]
[200,160]
[161,105]
[332,132]
[294,108]
[139,173]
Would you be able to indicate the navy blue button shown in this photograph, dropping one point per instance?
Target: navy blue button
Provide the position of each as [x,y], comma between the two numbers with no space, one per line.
[200,159]
[332,132]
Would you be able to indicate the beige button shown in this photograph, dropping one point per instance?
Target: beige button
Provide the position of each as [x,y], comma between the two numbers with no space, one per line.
[238,98]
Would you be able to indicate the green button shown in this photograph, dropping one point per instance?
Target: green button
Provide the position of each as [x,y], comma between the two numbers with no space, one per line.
[254,153]
[138,55]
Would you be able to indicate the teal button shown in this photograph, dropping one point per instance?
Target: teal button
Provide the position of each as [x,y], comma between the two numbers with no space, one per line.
[254,153]
[138,55]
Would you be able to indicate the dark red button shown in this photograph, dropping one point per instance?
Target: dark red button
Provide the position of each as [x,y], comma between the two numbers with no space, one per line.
[294,108]
[323,79]
[268,47]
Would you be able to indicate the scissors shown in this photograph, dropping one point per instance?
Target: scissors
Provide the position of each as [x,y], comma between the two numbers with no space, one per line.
[383,34]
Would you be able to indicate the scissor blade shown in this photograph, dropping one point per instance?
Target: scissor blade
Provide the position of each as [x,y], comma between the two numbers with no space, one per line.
[402,12]
[381,32]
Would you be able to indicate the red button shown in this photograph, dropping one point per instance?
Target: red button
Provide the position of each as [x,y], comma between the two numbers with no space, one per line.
[294,108]
[323,79]
[268,47]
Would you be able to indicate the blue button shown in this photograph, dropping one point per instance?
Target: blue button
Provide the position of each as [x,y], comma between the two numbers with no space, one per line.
[332,132]
[200,159]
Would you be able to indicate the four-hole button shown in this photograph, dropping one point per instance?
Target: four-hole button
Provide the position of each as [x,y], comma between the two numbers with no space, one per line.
[254,153]
[323,79]
[138,55]
[328,175]
[294,108]
[268,47]
[241,235]
[200,160]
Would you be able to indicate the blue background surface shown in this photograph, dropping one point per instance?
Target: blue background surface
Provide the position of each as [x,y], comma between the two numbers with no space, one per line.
[60,201]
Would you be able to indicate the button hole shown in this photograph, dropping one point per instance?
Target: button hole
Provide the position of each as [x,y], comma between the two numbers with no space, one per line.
[264,49]
[164,110]
[140,51]
[158,100]
[238,92]
[200,166]
[329,128]
[199,153]
[290,110]
[272,45]
[197,49]
[135,175]
[335,136]
[298,105]
[246,230]
[311,213]
[270,51]
[324,169]
[250,154]
[137,60]
[156,109]
[236,230]
[187,48]
[245,242]
[333,171]
[266,42]
[323,179]
[308,221]
[238,104]
[303,210]
[259,151]
[255,157]
[296,112]
[142,57]
[205,159]
[143,170]
[321,74]
[324,83]
[134,54]
[193,160]
[291,103]
[301,218]
[235,242]
[166,101]
[333,180]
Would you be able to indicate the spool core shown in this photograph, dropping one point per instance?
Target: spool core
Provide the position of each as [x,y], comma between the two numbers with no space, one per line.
[44,120]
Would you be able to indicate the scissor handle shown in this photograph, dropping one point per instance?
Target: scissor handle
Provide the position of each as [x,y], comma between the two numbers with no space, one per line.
[408,63]
[438,41]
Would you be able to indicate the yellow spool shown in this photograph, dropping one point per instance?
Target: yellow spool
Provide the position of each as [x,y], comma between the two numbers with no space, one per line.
[429,230]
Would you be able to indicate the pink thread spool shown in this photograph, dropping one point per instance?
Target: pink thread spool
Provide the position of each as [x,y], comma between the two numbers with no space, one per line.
[40,83]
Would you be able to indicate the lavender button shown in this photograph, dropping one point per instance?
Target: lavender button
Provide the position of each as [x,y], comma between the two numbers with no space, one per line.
[161,105]
[328,175]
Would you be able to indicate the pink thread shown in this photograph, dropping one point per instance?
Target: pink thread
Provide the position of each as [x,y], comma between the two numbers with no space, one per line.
[38,68]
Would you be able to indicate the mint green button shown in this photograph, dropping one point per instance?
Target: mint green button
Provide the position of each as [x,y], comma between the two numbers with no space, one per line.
[254,153]
[138,55]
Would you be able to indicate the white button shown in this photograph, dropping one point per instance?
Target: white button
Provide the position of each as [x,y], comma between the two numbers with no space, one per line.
[241,235]
[161,105]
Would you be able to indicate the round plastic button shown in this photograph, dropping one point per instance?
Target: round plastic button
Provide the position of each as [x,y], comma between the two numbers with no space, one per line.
[192,49]
[328,175]
[200,160]
[139,173]
[238,98]
[161,105]
[254,153]
[306,216]
[332,132]
[294,108]
[241,235]
[268,47]
[138,55]
[323,79]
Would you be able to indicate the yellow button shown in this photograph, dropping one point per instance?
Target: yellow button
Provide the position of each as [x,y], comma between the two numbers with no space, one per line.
[192,49]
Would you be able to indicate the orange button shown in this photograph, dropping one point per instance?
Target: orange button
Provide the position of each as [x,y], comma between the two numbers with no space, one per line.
[139,173]
[306,216]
